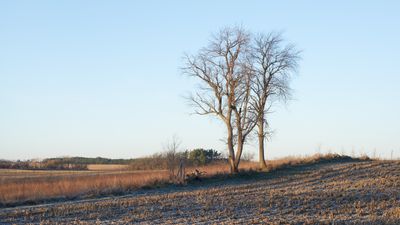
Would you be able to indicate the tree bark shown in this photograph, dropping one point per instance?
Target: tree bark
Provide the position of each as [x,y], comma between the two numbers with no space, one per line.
[231,159]
[240,139]
[261,148]
[262,163]
[231,150]
[239,154]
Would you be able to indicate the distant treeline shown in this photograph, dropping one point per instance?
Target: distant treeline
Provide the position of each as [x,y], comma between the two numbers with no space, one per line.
[60,163]
[41,165]
[195,157]
[85,160]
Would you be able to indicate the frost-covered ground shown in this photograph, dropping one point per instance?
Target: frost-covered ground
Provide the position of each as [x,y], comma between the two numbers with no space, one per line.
[347,192]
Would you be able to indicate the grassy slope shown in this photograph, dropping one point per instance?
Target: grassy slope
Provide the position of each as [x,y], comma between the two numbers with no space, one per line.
[340,191]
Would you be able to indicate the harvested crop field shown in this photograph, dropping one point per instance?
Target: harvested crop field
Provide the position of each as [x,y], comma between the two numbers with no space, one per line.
[366,192]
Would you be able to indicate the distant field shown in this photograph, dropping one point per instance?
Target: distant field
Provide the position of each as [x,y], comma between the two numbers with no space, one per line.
[337,192]
[11,175]
[36,186]
[103,167]
[18,173]
[31,186]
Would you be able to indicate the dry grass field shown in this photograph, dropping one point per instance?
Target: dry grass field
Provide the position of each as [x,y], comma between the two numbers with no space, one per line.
[29,187]
[18,187]
[329,192]
[105,167]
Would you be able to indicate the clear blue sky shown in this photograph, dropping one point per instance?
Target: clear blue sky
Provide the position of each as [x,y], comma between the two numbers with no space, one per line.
[102,78]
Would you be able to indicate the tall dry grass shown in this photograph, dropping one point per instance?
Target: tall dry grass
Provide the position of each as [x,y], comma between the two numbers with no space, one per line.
[68,187]
[289,161]
[102,167]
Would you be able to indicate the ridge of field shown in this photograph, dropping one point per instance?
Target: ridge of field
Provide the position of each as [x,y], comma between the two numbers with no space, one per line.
[366,192]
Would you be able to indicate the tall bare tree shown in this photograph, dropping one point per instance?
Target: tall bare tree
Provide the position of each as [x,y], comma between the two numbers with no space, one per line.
[241,77]
[245,115]
[223,70]
[273,64]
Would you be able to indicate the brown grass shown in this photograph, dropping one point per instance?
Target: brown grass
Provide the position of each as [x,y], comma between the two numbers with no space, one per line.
[107,167]
[41,188]
[20,187]
[272,165]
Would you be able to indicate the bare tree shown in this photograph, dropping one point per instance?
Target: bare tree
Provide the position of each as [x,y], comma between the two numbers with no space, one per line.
[175,160]
[241,77]
[273,64]
[245,116]
[224,91]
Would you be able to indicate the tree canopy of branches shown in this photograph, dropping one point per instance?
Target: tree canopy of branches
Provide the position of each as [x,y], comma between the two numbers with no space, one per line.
[273,64]
[238,72]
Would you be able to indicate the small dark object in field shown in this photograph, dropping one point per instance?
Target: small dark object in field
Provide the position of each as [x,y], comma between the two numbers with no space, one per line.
[195,175]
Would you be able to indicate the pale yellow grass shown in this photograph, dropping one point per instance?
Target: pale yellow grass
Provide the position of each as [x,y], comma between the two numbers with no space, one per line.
[105,167]
[50,187]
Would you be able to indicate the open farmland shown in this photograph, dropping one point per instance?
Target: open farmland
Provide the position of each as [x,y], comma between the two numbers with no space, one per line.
[340,192]
[35,186]
[102,167]
[20,187]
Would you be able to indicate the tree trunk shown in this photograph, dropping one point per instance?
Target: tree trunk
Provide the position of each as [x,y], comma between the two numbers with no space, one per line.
[240,141]
[239,153]
[234,169]
[231,158]
[262,163]
[261,139]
